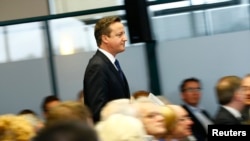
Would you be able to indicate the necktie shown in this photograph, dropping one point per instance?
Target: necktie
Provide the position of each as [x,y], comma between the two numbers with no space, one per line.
[119,68]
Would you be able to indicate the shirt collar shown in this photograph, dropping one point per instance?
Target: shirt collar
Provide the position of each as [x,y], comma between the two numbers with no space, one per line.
[192,108]
[107,54]
[233,111]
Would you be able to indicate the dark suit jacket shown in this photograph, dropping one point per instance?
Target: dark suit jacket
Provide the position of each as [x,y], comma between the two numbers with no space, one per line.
[223,116]
[245,113]
[198,130]
[102,83]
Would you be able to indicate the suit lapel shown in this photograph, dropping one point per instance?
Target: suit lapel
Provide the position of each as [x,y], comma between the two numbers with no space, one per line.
[124,82]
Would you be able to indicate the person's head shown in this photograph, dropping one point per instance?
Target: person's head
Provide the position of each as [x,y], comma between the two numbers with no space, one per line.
[169,116]
[246,88]
[228,91]
[48,102]
[68,111]
[110,34]
[15,128]
[121,106]
[151,117]
[183,124]
[140,93]
[190,89]
[67,131]
[120,127]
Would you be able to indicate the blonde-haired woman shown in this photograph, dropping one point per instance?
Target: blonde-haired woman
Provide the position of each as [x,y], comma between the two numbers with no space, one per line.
[179,126]
[169,116]
[15,128]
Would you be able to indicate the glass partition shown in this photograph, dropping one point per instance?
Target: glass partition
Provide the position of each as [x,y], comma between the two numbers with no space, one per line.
[25,41]
[3,55]
[74,34]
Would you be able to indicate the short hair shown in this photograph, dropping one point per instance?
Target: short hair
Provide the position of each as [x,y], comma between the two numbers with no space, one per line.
[140,93]
[112,129]
[47,100]
[68,131]
[27,111]
[185,81]
[68,110]
[102,27]
[226,88]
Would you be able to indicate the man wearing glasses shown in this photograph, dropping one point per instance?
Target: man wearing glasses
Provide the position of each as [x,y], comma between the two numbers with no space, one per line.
[190,90]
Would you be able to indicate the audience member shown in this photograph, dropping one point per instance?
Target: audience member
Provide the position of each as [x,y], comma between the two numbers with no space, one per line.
[246,90]
[151,117]
[180,129]
[169,116]
[103,79]
[48,102]
[15,128]
[190,89]
[231,100]
[68,111]
[120,127]
[67,131]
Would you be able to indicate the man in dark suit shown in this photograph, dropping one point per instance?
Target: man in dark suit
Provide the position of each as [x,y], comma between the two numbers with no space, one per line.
[231,99]
[190,89]
[104,80]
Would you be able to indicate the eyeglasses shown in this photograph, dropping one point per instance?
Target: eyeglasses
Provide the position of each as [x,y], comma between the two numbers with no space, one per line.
[192,90]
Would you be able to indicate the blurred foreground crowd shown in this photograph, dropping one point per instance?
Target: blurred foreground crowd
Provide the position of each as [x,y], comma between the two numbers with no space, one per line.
[142,117]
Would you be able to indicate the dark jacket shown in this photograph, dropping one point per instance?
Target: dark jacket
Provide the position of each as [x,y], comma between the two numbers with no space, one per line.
[198,130]
[102,84]
[224,117]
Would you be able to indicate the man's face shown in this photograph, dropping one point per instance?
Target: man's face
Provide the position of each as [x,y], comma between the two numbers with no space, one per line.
[183,125]
[116,39]
[246,89]
[152,119]
[51,105]
[192,93]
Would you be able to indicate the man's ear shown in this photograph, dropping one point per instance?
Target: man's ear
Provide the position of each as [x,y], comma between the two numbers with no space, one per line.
[104,38]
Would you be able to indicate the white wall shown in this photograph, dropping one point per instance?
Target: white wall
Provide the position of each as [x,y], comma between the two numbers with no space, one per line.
[23,84]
